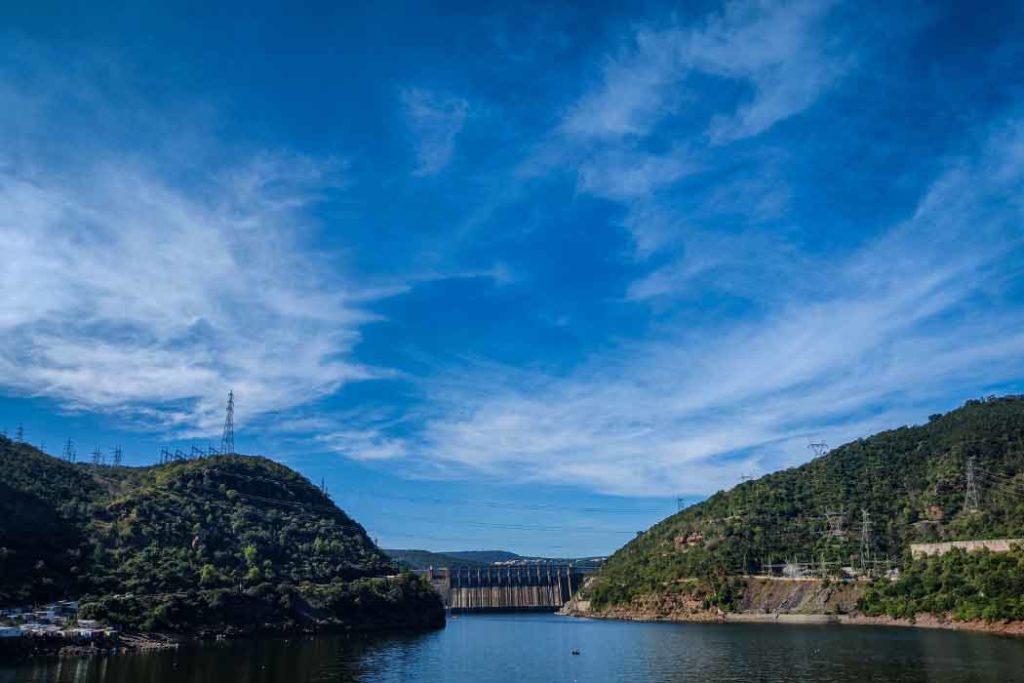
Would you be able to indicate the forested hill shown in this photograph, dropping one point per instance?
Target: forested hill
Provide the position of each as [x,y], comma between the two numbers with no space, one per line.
[910,482]
[215,537]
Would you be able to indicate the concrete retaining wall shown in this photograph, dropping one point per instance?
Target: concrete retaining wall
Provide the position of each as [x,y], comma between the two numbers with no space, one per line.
[997,545]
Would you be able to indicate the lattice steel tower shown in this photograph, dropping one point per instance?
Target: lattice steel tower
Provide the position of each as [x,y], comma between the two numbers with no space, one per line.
[972,501]
[227,441]
[865,538]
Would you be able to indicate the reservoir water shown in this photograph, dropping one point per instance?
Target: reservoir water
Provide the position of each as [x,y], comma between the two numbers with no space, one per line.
[539,647]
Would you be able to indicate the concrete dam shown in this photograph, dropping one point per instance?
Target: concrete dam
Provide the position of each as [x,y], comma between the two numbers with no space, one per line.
[506,587]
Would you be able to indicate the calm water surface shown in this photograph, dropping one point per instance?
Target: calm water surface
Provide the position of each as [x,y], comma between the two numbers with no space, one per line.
[532,647]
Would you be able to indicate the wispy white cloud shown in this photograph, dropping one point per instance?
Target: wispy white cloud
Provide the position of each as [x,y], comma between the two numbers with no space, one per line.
[625,175]
[742,263]
[124,292]
[689,90]
[364,444]
[435,120]
[898,325]
[148,276]
[775,48]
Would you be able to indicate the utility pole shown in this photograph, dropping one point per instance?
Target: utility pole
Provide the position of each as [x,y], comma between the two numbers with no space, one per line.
[972,501]
[227,440]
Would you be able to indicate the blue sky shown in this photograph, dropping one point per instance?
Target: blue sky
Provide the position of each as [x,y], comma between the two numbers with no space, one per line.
[505,276]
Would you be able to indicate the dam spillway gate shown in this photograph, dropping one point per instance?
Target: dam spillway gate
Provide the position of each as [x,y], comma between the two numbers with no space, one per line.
[505,587]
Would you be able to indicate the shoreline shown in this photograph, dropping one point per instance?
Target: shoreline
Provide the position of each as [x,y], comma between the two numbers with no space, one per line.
[801,601]
[43,647]
[1008,629]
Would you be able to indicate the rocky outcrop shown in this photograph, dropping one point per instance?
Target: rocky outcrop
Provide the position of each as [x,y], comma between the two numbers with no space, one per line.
[799,596]
[761,597]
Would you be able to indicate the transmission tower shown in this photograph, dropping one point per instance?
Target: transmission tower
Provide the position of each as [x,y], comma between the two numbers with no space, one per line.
[19,435]
[835,520]
[972,501]
[820,448]
[227,441]
[865,538]
[69,449]
[117,456]
[97,456]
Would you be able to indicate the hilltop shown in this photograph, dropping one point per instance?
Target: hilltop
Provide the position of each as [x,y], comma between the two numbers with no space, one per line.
[220,543]
[909,482]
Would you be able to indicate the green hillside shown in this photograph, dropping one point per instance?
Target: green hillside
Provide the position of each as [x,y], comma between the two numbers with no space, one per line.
[224,541]
[910,481]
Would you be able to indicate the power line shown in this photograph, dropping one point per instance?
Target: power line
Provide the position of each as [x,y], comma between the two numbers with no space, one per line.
[998,477]
[514,506]
[1001,485]
[493,525]
[461,502]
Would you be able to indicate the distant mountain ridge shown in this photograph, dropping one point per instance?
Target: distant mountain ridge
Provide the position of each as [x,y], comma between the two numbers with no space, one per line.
[226,541]
[423,559]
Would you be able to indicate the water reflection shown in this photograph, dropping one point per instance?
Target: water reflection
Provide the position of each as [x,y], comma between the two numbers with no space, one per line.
[539,648]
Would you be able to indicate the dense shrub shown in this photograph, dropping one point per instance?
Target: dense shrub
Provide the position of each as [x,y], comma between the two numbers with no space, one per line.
[977,585]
